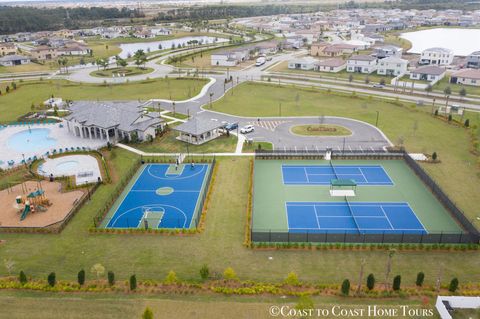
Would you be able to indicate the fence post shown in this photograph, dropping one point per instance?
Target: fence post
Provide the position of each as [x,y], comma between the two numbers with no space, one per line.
[441,237]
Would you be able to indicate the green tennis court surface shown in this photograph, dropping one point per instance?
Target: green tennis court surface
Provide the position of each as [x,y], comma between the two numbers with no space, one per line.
[293,194]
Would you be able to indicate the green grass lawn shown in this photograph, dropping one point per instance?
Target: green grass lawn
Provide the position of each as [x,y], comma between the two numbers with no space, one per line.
[402,123]
[466,314]
[320,130]
[128,71]
[51,306]
[443,83]
[19,102]
[250,148]
[219,246]
[169,144]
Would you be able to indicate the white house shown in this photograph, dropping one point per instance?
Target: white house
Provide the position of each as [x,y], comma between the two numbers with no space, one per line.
[467,77]
[160,31]
[362,64]
[386,51]
[428,73]
[392,66]
[436,56]
[229,58]
[112,121]
[331,65]
[306,63]
[12,60]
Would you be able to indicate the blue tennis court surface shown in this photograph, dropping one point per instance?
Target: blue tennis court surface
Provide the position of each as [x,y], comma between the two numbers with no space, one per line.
[360,217]
[323,174]
[164,196]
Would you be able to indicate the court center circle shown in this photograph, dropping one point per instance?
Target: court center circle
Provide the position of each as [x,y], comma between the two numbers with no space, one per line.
[163,191]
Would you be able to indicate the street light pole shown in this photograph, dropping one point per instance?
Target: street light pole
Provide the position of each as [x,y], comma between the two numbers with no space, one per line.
[376,121]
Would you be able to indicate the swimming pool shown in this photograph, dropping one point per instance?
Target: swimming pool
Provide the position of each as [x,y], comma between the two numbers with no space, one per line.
[66,167]
[31,140]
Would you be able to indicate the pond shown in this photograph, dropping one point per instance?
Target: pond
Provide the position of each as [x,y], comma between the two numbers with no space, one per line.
[131,48]
[461,41]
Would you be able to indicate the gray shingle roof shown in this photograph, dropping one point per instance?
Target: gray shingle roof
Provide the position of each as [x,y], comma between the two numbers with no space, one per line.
[126,116]
[13,57]
[198,126]
[429,69]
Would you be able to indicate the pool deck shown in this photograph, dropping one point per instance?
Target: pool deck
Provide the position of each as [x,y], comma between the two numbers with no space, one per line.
[63,139]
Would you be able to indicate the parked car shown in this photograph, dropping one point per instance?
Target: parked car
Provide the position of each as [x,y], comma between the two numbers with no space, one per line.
[378,86]
[247,129]
[231,126]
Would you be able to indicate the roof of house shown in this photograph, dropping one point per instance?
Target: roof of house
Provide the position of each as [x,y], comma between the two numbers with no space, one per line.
[394,59]
[125,115]
[332,62]
[468,73]
[429,69]
[13,57]
[197,126]
[306,59]
[7,45]
[362,57]
[440,50]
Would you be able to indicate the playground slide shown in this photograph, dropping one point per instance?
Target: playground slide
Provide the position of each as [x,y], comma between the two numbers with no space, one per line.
[25,212]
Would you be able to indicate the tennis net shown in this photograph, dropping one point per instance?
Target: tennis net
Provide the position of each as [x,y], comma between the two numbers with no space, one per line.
[351,213]
[333,169]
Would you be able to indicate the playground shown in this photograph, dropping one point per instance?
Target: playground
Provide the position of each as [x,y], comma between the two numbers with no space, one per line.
[35,204]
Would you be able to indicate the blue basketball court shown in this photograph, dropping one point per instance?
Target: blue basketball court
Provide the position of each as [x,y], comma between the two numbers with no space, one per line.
[323,174]
[162,196]
[353,217]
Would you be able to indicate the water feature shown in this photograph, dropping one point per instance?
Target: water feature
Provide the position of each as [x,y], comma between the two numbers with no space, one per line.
[31,140]
[128,49]
[461,41]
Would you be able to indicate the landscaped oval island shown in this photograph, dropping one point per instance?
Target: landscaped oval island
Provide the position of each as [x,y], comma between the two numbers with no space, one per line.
[320,130]
[121,72]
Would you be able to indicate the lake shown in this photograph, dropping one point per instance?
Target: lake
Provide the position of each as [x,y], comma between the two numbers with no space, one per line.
[461,41]
[131,48]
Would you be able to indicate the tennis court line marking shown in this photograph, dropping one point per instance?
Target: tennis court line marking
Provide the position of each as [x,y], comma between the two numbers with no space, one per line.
[316,217]
[365,177]
[414,214]
[177,176]
[388,219]
[306,175]
[150,206]
[363,229]
[205,187]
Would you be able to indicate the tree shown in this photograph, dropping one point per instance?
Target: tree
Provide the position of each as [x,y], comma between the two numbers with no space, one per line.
[345,287]
[370,282]
[434,156]
[447,90]
[304,302]
[360,277]
[147,314]
[9,265]
[420,279]
[463,92]
[428,89]
[204,272]
[367,80]
[449,117]
[230,274]
[350,78]
[140,58]
[171,278]
[391,253]
[52,279]
[453,285]
[467,123]
[396,282]
[22,278]
[81,277]
[98,270]
[292,279]
[133,282]
[111,278]
[382,82]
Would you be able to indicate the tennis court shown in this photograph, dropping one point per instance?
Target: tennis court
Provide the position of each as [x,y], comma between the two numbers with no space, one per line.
[161,196]
[323,174]
[356,217]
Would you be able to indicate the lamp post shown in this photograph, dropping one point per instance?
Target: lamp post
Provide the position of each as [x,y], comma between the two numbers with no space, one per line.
[376,121]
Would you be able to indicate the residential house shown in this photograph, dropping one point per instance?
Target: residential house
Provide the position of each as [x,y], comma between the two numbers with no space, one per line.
[467,77]
[392,66]
[43,53]
[13,59]
[293,42]
[270,47]
[230,58]
[160,31]
[362,64]
[375,28]
[112,121]
[473,60]
[430,73]
[310,36]
[436,56]
[306,63]
[387,51]
[331,65]
[332,50]
[7,48]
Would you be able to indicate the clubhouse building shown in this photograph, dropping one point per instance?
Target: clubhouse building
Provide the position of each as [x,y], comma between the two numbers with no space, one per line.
[112,121]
